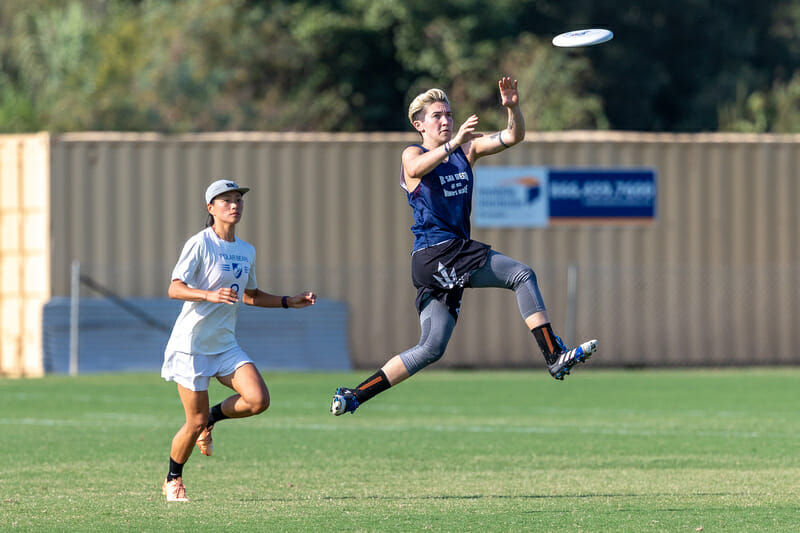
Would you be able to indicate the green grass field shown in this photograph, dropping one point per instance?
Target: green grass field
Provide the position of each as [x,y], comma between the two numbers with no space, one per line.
[710,450]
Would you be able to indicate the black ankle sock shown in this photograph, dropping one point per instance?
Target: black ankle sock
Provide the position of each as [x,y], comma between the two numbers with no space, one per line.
[216,414]
[371,386]
[175,469]
[547,342]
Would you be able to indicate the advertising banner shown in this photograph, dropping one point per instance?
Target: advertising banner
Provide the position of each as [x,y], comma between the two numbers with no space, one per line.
[541,196]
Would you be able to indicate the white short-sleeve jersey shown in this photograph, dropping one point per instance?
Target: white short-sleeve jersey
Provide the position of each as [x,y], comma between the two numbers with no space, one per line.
[210,263]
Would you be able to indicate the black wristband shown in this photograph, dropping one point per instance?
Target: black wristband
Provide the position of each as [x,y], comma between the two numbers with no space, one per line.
[285,302]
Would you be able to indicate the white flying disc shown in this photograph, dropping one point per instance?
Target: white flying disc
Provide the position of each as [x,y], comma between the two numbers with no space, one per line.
[582,38]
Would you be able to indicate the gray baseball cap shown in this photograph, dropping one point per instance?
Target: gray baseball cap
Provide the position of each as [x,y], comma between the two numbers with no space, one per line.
[221,186]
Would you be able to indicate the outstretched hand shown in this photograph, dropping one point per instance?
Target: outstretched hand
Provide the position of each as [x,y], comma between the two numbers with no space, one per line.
[509,97]
[302,300]
[467,131]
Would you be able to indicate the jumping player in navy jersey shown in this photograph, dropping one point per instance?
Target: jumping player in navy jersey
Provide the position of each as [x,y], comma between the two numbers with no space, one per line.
[437,177]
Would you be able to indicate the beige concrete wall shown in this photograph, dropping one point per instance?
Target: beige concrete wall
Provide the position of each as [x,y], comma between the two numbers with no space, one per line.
[24,251]
[711,282]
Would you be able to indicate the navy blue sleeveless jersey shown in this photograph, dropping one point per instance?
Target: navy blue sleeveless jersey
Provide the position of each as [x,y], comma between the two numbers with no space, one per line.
[442,202]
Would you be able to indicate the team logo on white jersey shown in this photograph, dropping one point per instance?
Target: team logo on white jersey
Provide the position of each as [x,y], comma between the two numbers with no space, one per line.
[237,268]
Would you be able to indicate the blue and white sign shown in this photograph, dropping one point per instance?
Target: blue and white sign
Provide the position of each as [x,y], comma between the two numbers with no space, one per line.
[509,197]
[540,196]
[610,194]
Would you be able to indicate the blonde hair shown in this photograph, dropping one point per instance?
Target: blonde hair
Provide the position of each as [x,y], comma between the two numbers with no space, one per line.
[423,100]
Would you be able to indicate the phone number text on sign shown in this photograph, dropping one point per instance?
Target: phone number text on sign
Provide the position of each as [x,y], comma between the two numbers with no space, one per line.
[602,193]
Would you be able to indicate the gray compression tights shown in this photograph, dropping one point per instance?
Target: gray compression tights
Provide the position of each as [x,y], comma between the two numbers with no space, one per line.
[437,323]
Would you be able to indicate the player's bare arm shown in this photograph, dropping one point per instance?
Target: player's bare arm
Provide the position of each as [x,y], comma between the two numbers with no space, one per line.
[417,162]
[260,298]
[514,132]
[178,290]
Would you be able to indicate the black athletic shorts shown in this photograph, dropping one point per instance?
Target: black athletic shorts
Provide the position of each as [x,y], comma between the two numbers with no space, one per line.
[442,271]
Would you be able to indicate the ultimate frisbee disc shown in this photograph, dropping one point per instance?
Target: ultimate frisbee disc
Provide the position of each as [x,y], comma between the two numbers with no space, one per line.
[582,38]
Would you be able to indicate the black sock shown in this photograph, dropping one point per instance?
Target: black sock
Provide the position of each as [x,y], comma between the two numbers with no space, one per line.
[547,342]
[215,415]
[175,469]
[371,386]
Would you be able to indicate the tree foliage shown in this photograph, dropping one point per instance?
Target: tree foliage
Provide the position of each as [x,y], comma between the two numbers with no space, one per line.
[353,65]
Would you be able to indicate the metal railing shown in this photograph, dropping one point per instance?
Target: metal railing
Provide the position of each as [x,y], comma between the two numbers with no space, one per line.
[77,279]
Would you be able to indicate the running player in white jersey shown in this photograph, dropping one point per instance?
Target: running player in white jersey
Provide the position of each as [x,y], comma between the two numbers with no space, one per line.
[215,272]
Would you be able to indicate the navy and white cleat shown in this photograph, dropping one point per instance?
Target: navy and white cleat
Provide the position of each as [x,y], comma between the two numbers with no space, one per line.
[344,401]
[567,359]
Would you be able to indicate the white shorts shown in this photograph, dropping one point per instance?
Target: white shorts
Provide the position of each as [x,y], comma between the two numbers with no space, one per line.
[195,371]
